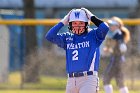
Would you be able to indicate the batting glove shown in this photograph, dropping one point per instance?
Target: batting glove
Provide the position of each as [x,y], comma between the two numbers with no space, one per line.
[65,20]
[89,14]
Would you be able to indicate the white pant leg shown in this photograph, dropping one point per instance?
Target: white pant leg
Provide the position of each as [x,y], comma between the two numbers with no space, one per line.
[71,87]
[108,89]
[90,85]
[124,90]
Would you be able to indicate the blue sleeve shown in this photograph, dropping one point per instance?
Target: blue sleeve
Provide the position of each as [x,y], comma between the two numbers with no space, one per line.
[101,31]
[56,38]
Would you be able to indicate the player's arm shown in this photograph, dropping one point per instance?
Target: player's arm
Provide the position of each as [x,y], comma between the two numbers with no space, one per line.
[122,46]
[102,26]
[53,35]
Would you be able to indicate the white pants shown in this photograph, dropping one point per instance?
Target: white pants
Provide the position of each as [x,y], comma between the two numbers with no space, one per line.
[84,84]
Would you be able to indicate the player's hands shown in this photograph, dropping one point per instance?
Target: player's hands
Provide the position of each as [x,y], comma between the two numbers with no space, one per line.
[65,20]
[107,50]
[89,14]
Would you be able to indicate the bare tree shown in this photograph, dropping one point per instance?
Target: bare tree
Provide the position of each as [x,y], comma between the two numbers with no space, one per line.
[31,66]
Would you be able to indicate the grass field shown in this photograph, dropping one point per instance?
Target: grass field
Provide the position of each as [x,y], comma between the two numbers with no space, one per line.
[49,85]
[47,91]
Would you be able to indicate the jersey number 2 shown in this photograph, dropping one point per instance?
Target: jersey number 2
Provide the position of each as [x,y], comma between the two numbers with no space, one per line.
[75,55]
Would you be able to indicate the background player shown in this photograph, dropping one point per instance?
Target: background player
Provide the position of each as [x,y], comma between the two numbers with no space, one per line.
[81,47]
[116,45]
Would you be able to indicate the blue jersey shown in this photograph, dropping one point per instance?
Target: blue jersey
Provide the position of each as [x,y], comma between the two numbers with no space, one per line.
[82,51]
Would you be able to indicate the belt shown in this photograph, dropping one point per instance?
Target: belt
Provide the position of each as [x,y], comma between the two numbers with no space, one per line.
[80,74]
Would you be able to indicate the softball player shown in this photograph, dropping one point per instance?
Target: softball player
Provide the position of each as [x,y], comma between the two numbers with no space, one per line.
[116,44]
[82,49]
